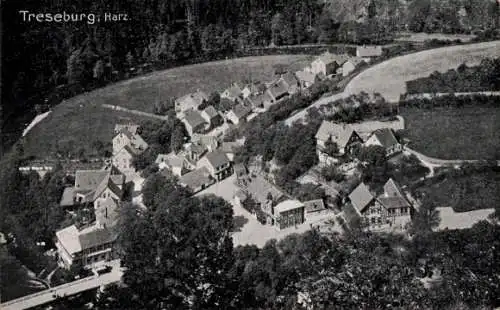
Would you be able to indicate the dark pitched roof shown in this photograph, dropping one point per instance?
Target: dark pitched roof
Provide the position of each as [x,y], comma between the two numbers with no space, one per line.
[259,188]
[393,196]
[241,111]
[350,213]
[196,178]
[386,137]
[393,202]
[193,118]
[89,179]
[314,205]
[361,197]
[95,237]
[339,133]
[217,159]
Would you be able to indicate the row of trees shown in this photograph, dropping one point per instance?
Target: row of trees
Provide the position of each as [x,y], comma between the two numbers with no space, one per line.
[29,208]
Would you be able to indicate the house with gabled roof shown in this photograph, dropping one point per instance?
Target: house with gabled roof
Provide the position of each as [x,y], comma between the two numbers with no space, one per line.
[217,163]
[327,63]
[260,102]
[93,244]
[124,159]
[194,152]
[126,138]
[390,210]
[361,198]
[265,194]
[238,113]
[175,163]
[210,115]
[194,122]
[197,179]
[232,93]
[93,184]
[126,146]
[343,135]
[352,64]
[211,143]
[190,101]
[253,88]
[291,82]
[385,138]
[306,78]
[86,248]
[278,90]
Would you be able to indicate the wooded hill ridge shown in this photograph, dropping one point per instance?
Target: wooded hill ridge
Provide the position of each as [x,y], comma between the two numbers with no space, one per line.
[44,63]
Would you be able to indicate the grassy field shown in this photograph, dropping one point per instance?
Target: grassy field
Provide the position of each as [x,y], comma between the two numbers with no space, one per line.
[81,120]
[74,126]
[467,192]
[140,93]
[389,77]
[454,133]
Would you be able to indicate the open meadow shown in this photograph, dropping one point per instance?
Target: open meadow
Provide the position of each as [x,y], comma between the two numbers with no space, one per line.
[73,126]
[389,77]
[81,120]
[140,93]
[454,133]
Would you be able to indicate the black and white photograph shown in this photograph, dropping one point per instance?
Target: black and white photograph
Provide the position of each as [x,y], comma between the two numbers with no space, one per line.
[250,154]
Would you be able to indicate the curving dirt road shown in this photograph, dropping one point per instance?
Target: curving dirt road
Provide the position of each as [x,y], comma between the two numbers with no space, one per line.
[389,77]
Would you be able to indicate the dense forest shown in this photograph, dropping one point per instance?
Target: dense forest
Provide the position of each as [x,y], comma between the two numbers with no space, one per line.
[45,62]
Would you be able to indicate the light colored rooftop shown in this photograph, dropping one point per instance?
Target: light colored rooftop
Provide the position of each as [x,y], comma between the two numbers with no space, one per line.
[68,237]
[288,205]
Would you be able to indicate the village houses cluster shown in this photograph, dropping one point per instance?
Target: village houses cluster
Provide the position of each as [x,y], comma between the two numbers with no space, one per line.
[92,244]
[205,160]
[390,210]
